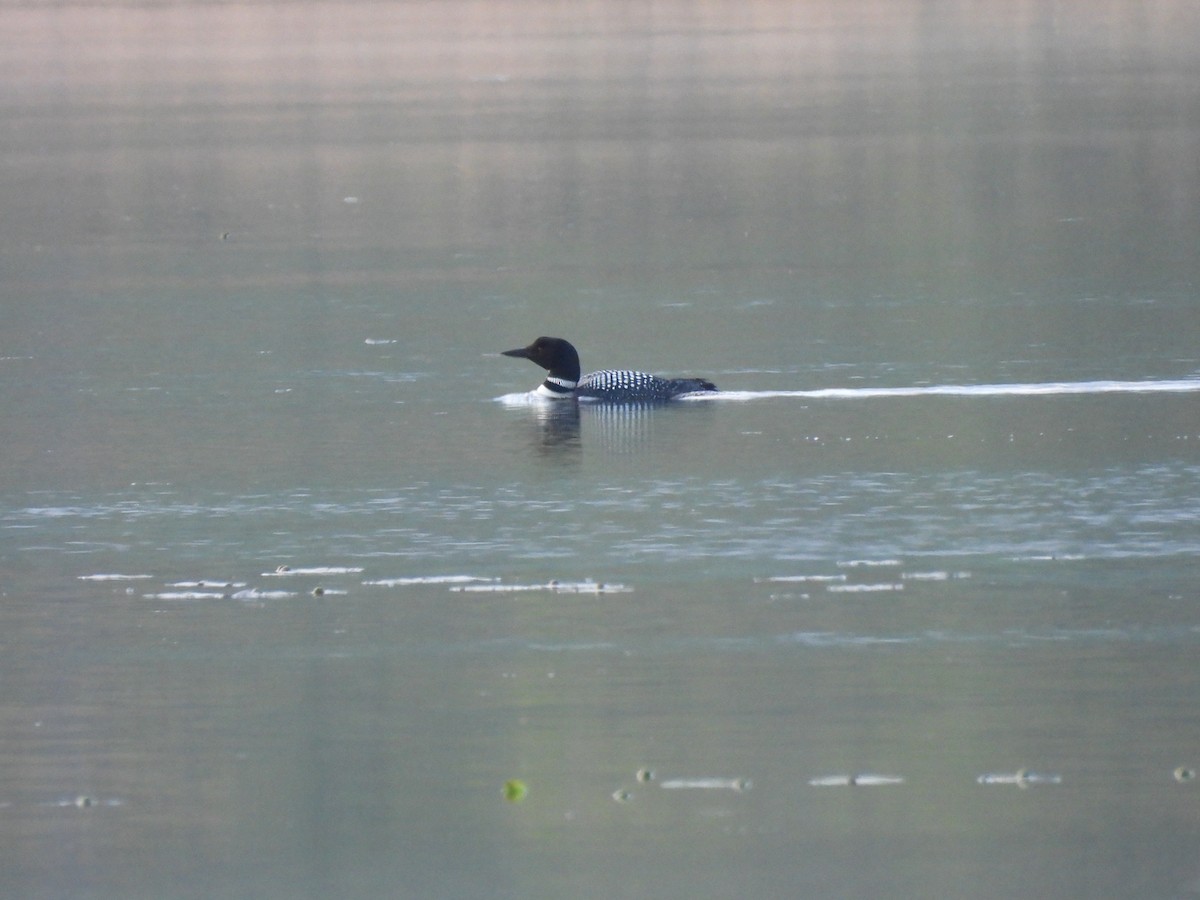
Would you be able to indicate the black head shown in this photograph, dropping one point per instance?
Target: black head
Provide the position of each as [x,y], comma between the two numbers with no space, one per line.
[553,354]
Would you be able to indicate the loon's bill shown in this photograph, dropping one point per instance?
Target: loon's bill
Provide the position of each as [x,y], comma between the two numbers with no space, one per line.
[563,382]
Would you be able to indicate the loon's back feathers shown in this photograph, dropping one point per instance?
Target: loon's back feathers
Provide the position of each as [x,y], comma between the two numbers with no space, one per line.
[561,360]
[638,386]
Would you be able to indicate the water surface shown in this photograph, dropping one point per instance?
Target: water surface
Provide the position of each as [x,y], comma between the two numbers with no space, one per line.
[910,610]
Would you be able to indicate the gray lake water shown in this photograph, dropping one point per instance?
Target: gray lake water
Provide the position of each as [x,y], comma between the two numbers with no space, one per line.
[911,610]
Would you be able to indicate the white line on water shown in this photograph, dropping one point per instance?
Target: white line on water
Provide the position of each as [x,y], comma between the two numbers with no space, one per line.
[1051,388]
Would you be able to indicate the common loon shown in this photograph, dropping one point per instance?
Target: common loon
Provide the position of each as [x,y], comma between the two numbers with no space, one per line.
[614,386]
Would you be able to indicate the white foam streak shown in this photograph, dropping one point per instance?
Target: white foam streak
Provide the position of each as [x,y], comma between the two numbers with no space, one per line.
[858,780]
[113,577]
[864,588]
[1052,388]
[287,571]
[427,579]
[706,784]
[529,398]
[558,587]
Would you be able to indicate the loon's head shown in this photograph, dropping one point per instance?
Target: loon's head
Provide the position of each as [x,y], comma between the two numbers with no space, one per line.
[553,354]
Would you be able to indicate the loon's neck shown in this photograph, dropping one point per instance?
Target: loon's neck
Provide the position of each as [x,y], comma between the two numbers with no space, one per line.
[556,388]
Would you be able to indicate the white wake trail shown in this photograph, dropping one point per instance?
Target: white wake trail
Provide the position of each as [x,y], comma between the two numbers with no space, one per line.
[1052,388]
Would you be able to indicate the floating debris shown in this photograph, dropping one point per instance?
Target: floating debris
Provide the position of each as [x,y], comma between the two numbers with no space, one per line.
[208,583]
[217,590]
[498,588]
[84,801]
[863,779]
[867,780]
[1050,557]
[255,594]
[788,579]
[515,790]
[938,575]
[1022,778]
[925,576]
[315,570]
[328,592]
[706,784]
[429,579]
[1183,773]
[586,586]
[558,587]
[187,595]
[114,577]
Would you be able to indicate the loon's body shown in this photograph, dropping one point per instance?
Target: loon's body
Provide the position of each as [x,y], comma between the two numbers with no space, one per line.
[563,382]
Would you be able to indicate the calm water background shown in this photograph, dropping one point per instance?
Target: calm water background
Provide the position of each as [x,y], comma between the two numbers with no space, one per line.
[256,264]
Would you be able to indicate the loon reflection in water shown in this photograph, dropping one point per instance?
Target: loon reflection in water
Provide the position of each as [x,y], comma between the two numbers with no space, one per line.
[560,431]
